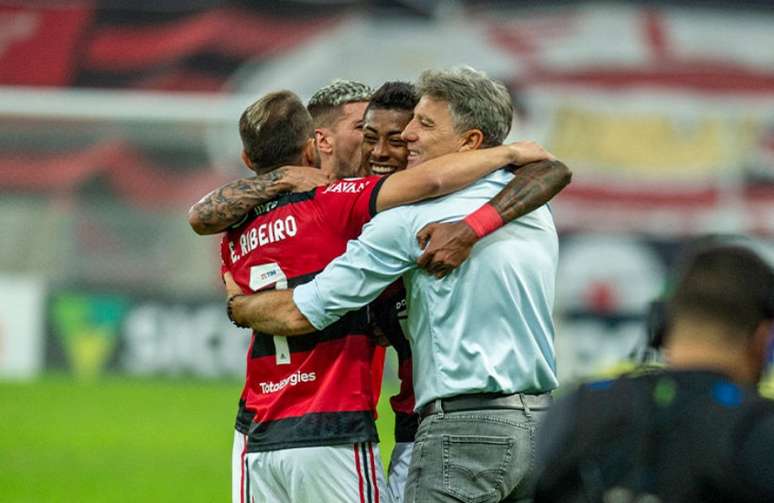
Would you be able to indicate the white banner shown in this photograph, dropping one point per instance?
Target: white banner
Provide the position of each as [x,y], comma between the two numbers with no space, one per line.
[21,326]
[660,161]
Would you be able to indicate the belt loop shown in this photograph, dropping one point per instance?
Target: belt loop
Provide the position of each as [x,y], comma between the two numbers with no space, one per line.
[524,405]
[439,407]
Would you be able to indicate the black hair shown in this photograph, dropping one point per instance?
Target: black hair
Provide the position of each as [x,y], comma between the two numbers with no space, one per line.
[727,283]
[394,95]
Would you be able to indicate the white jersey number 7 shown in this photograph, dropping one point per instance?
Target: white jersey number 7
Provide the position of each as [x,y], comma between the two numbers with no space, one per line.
[262,276]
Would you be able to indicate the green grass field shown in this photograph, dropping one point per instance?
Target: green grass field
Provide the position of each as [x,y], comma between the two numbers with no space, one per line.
[118,439]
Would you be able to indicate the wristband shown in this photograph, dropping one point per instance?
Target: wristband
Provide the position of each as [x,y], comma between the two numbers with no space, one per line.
[484,220]
[230,310]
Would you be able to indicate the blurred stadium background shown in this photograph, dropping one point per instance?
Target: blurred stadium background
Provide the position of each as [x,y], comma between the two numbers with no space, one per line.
[119,371]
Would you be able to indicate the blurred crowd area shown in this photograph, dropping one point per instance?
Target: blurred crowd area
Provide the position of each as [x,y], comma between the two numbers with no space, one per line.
[115,116]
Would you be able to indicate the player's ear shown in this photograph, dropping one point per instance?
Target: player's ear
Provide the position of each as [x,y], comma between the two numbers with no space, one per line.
[761,344]
[247,161]
[310,153]
[471,140]
[322,138]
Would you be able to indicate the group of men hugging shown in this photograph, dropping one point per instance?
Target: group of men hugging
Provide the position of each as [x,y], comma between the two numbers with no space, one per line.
[391,217]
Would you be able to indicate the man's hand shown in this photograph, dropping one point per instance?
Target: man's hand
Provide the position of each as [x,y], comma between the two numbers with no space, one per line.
[233,292]
[525,152]
[270,311]
[445,246]
[231,286]
[302,179]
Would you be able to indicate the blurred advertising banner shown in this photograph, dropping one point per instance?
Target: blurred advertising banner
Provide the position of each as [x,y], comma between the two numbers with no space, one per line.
[21,326]
[604,284]
[91,333]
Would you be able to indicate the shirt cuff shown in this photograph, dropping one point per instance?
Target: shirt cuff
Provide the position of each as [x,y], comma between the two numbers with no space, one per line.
[308,300]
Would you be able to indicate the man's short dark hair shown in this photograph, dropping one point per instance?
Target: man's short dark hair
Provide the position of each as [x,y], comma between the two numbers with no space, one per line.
[325,105]
[394,95]
[728,284]
[274,130]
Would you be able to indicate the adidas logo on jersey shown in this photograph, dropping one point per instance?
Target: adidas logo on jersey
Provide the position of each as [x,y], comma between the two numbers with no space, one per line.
[292,379]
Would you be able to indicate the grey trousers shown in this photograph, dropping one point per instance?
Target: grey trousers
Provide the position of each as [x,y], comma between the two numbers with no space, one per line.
[477,456]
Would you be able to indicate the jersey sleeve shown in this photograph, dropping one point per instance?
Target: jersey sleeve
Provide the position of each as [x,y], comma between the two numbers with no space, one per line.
[377,374]
[387,312]
[382,253]
[351,203]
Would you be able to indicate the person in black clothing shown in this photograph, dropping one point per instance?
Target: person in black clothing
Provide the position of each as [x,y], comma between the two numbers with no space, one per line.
[696,431]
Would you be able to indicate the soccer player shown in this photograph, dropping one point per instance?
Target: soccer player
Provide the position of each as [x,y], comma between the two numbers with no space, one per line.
[481,338]
[384,152]
[390,109]
[310,398]
[695,431]
[337,111]
[337,115]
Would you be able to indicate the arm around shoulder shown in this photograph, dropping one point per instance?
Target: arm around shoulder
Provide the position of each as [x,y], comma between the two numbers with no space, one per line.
[445,174]
[225,205]
[533,185]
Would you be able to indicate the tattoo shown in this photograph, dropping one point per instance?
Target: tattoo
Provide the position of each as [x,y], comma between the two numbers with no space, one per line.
[532,186]
[226,205]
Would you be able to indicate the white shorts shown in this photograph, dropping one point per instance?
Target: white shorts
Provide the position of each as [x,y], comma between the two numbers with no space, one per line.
[350,473]
[238,452]
[399,465]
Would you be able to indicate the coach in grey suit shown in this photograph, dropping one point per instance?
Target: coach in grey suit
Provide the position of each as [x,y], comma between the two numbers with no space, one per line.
[482,337]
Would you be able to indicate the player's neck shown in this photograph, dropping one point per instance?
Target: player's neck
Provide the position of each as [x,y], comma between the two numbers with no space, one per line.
[337,169]
[328,166]
[707,347]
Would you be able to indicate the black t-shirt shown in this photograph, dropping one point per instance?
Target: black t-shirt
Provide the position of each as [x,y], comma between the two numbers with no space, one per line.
[664,436]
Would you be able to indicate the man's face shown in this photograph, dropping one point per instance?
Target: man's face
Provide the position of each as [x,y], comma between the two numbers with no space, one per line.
[430,133]
[383,150]
[347,136]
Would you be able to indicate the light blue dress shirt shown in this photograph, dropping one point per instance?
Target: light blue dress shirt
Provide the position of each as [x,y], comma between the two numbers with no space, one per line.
[485,327]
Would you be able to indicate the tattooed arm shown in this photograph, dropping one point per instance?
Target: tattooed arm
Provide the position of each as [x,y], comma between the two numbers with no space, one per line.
[532,186]
[225,205]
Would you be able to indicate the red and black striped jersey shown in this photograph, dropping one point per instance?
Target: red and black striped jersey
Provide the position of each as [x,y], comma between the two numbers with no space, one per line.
[316,389]
[388,312]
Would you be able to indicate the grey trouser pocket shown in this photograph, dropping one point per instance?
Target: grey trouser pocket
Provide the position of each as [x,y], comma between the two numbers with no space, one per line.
[472,457]
[475,466]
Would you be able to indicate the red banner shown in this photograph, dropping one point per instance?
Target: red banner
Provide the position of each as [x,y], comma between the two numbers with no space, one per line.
[37,45]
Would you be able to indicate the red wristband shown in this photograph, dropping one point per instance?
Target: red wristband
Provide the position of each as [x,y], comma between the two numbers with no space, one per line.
[484,220]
